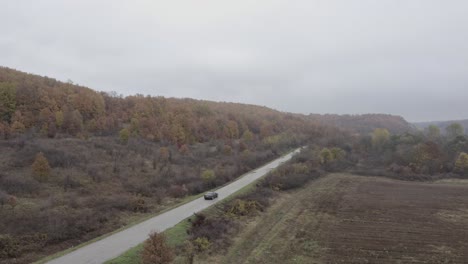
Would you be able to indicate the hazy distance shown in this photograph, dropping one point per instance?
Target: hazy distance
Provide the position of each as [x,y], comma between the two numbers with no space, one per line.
[398,57]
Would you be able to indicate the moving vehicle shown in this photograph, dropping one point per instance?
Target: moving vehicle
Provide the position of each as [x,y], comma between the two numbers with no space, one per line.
[210,195]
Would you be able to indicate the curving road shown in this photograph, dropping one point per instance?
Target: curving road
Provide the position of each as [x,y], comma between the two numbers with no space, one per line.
[114,245]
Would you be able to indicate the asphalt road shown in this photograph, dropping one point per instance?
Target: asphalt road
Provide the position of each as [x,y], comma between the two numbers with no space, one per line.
[114,245]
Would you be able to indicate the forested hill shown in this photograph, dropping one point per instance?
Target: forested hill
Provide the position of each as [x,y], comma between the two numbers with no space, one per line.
[49,107]
[364,123]
[442,124]
[45,105]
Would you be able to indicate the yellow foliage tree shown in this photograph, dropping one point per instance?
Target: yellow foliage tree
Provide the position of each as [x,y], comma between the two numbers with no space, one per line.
[164,154]
[326,156]
[462,162]
[232,130]
[208,175]
[248,135]
[380,137]
[41,168]
[337,153]
[124,135]
[59,118]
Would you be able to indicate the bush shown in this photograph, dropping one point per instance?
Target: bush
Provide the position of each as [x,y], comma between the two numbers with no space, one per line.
[41,168]
[261,195]
[211,228]
[201,244]
[139,205]
[58,158]
[9,247]
[19,185]
[240,207]
[156,250]
[287,181]
[124,135]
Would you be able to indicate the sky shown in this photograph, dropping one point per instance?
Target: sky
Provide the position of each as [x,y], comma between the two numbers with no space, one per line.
[402,57]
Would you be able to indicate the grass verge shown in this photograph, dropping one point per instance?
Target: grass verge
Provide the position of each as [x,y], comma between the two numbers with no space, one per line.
[175,236]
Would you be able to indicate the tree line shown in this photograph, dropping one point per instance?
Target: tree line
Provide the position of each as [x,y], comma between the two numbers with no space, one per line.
[47,107]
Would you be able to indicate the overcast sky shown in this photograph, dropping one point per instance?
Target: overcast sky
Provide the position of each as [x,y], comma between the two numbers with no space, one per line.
[404,57]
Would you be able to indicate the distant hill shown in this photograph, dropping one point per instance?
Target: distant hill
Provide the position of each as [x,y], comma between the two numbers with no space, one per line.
[442,124]
[32,103]
[364,123]
[45,105]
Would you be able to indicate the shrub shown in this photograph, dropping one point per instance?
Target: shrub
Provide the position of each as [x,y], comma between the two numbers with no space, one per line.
[325,156]
[201,244]
[59,158]
[243,207]
[188,250]
[261,195]
[124,135]
[12,201]
[285,178]
[19,185]
[214,229]
[156,250]
[9,247]
[41,168]
[139,205]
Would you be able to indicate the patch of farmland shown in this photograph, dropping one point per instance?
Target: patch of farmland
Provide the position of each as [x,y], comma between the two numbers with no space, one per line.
[345,218]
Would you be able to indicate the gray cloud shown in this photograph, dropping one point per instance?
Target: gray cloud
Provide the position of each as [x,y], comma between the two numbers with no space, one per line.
[391,56]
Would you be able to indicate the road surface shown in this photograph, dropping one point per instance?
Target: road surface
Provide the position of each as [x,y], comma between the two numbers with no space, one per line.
[116,244]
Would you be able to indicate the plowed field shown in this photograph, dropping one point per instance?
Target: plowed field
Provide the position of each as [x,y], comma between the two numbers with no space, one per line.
[352,219]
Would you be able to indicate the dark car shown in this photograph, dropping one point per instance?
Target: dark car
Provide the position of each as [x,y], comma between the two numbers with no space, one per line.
[210,195]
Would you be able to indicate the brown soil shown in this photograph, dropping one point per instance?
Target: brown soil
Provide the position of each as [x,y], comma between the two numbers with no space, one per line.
[352,219]
[383,221]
